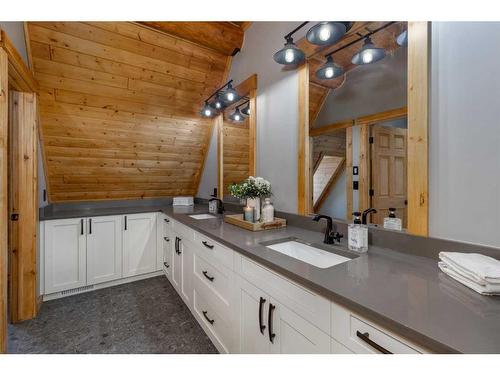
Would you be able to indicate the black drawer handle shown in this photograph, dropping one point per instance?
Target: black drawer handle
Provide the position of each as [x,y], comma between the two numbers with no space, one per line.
[81,227]
[262,327]
[366,338]
[177,245]
[211,278]
[207,245]
[166,220]
[166,264]
[90,226]
[125,222]
[211,321]
[270,322]
[166,239]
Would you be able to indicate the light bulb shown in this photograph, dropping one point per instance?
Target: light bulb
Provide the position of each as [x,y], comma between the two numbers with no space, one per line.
[208,112]
[237,117]
[289,55]
[324,33]
[217,104]
[248,111]
[367,57]
[329,72]
[230,96]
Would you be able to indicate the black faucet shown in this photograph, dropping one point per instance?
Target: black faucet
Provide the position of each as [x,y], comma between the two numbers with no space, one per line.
[365,214]
[331,234]
[220,205]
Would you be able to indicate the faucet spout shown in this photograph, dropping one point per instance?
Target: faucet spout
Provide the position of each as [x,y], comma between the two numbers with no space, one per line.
[220,205]
[331,233]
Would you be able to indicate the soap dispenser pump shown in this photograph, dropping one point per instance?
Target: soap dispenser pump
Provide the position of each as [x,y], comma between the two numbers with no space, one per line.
[357,234]
[392,222]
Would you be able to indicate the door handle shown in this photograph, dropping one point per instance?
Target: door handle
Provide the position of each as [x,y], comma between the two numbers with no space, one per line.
[211,321]
[166,220]
[270,322]
[177,245]
[166,264]
[90,226]
[366,338]
[81,227]
[125,222]
[166,239]
[207,245]
[262,327]
[211,278]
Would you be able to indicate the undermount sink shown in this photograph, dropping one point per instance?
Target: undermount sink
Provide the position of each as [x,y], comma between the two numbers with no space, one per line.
[202,216]
[309,254]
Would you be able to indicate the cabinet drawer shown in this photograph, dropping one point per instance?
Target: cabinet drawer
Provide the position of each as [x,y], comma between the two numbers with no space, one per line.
[167,223]
[215,279]
[362,336]
[215,251]
[310,306]
[217,326]
[183,231]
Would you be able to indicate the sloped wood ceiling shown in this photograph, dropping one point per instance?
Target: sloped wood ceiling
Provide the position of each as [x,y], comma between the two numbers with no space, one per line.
[119,107]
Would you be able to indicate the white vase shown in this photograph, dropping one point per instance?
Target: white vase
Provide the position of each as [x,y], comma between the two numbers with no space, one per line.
[255,203]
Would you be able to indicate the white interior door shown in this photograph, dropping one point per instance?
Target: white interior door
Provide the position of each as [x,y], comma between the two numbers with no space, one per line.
[139,244]
[65,254]
[104,249]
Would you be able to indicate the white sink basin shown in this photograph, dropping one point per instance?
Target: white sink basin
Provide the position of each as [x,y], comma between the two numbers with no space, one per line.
[308,254]
[202,216]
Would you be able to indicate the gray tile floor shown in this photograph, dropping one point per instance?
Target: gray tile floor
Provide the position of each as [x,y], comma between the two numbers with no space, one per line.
[146,316]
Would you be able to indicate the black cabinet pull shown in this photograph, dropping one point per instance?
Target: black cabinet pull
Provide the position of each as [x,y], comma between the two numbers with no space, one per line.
[270,322]
[166,239]
[90,226]
[211,278]
[211,321]
[81,227]
[261,308]
[177,245]
[366,338]
[166,220]
[125,222]
[166,264]
[207,245]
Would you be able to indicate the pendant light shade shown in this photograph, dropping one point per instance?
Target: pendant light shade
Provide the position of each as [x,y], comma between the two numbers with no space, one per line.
[325,33]
[230,95]
[237,115]
[218,103]
[290,54]
[207,110]
[368,54]
[246,110]
[330,70]
[402,39]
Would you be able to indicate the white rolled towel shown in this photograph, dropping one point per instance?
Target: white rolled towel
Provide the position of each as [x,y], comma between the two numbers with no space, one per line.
[477,267]
[486,289]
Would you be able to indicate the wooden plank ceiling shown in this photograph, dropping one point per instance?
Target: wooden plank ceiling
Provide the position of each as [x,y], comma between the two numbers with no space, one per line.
[319,89]
[119,106]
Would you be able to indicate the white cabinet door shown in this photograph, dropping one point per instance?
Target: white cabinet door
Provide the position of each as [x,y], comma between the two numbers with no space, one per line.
[252,307]
[186,248]
[65,254]
[292,334]
[104,249]
[139,244]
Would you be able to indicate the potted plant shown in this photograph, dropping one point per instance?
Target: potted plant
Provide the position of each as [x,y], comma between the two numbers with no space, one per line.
[252,189]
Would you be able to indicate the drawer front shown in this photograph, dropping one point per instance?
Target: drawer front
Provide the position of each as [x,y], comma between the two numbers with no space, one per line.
[167,223]
[216,325]
[362,336]
[215,251]
[167,259]
[310,306]
[183,231]
[216,279]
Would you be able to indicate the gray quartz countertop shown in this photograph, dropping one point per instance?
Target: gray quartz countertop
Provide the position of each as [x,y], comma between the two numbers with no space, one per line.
[405,293]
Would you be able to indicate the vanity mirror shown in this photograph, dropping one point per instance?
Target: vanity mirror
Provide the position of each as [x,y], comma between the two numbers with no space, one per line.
[356,150]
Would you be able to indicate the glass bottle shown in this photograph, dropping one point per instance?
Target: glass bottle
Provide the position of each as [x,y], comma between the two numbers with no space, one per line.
[267,211]
[392,222]
[357,235]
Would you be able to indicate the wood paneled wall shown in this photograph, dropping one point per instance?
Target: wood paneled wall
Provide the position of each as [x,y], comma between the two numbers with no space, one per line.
[119,107]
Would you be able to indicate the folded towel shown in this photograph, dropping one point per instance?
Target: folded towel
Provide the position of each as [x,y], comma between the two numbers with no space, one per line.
[476,267]
[488,289]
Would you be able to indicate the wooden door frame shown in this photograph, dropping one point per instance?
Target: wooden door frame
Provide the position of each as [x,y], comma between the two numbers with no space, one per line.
[418,124]
[14,74]
[246,88]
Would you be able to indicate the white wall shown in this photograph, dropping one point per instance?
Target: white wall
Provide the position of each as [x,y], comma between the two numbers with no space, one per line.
[277,113]
[464,150]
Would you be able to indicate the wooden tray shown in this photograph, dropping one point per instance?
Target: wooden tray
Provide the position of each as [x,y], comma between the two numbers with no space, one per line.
[254,227]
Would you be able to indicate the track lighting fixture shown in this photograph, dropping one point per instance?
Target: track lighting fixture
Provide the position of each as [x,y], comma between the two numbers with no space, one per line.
[230,95]
[237,115]
[246,110]
[402,39]
[325,33]
[368,54]
[207,110]
[218,103]
[330,70]
[290,54]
